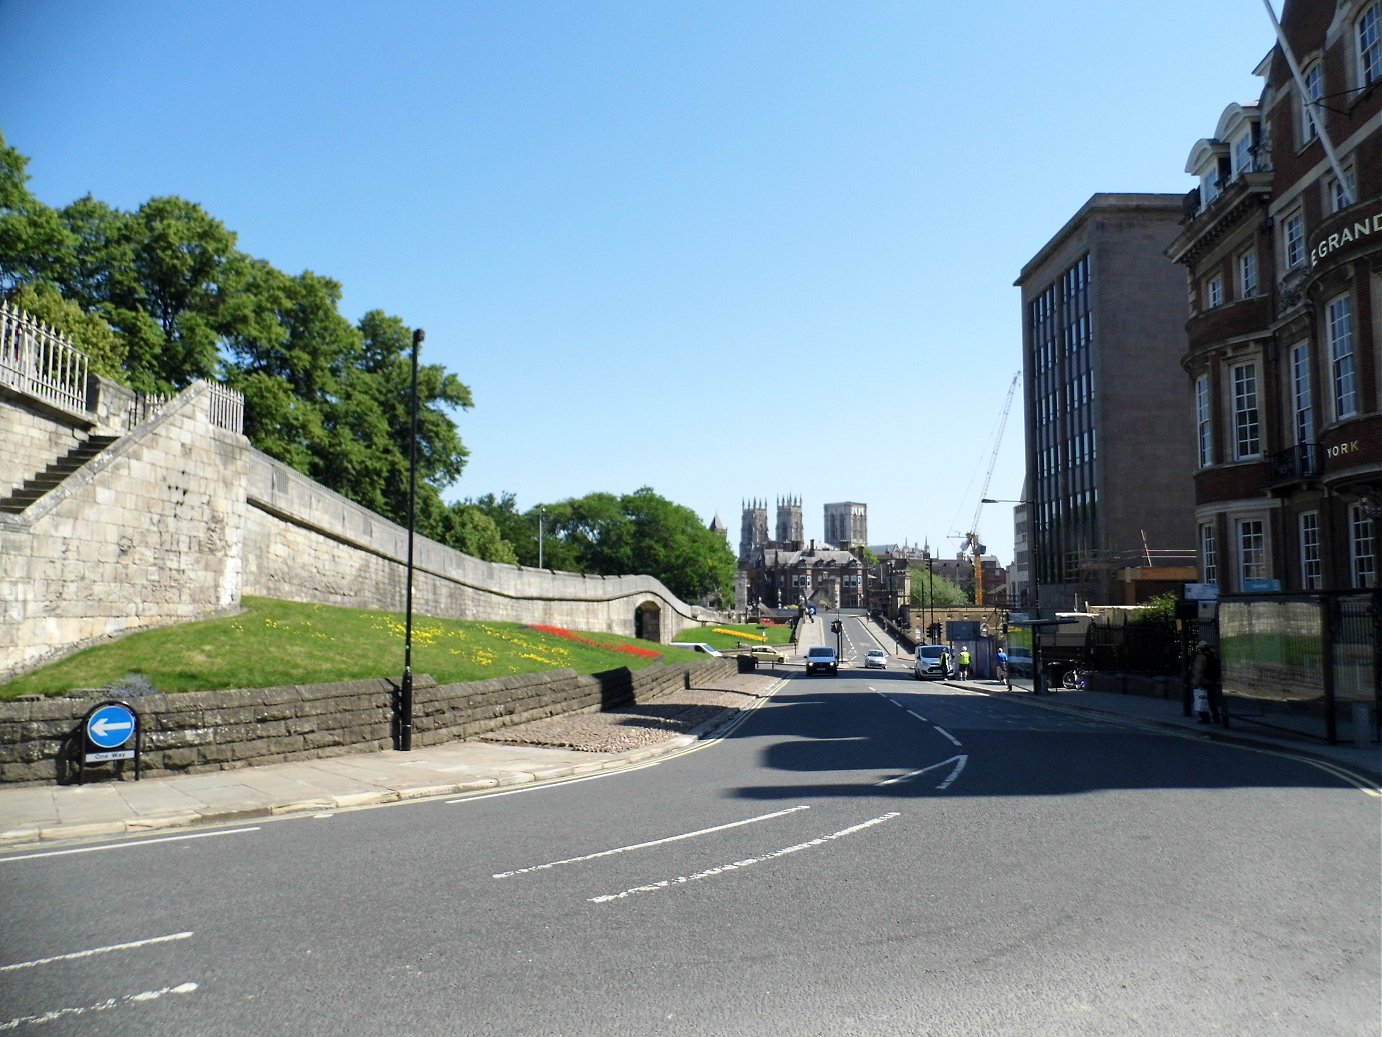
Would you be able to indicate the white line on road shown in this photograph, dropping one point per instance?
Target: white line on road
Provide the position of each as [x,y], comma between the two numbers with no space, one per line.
[99,1006]
[959,762]
[652,842]
[746,862]
[947,734]
[122,846]
[93,951]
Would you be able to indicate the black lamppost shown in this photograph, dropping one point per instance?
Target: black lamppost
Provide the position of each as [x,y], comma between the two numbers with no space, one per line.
[930,600]
[1034,561]
[405,697]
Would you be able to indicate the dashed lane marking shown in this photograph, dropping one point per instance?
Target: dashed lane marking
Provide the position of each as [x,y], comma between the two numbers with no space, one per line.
[723,869]
[99,1006]
[652,842]
[75,955]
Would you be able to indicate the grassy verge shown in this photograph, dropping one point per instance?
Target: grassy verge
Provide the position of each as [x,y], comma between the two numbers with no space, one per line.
[274,643]
[732,634]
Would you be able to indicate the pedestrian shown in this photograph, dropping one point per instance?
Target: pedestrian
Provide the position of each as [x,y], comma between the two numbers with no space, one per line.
[1205,675]
[945,664]
[1002,660]
[964,662]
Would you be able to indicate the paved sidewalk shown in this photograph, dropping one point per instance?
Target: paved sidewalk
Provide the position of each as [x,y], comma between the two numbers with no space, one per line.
[557,747]
[36,814]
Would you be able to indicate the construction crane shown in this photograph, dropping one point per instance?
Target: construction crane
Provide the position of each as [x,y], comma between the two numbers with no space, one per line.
[971,539]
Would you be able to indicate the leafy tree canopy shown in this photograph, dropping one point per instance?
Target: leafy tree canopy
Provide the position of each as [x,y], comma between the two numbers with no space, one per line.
[946,593]
[162,296]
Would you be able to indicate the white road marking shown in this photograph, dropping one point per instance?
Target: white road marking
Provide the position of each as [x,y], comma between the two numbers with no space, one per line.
[93,951]
[123,846]
[919,716]
[947,734]
[651,842]
[99,1006]
[959,762]
[746,862]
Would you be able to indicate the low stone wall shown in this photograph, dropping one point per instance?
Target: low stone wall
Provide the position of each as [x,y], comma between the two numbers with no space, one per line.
[219,730]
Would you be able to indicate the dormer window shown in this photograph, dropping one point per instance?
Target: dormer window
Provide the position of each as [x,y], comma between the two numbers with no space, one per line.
[1242,154]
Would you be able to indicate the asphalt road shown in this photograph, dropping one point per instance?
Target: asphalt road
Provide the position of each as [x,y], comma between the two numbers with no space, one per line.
[863,855]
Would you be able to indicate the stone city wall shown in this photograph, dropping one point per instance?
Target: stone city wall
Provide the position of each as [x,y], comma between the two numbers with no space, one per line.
[220,730]
[177,519]
[147,533]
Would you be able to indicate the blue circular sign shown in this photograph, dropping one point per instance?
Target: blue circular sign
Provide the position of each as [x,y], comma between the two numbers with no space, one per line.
[111,726]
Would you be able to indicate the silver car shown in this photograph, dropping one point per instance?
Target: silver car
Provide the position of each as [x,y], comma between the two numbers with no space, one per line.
[876,658]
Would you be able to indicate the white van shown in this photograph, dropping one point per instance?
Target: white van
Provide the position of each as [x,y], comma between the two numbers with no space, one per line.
[696,646]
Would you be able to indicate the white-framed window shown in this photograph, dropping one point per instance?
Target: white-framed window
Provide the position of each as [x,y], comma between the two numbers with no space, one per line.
[1214,292]
[1362,547]
[1209,562]
[1247,274]
[1368,37]
[1252,550]
[1314,90]
[1302,397]
[1294,238]
[1247,430]
[1311,570]
[1203,426]
[1343,377]
[1339,194]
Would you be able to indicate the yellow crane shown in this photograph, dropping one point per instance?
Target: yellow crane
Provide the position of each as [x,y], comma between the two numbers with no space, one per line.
[971,539]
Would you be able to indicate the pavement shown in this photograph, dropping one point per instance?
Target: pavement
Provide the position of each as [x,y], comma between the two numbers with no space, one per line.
[546,750]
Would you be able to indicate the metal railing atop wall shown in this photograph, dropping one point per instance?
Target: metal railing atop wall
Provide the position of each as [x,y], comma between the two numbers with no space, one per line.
[37,360]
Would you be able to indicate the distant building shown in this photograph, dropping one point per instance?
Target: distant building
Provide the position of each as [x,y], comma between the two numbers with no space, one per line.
[716,526]
[753,530]
[790,529]
[1281,245]
[825,577]
[1108,462]
[847,524]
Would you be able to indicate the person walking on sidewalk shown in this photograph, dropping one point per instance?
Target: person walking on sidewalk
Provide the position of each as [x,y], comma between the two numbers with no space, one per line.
[1001,661]
[964,662]
[1204,673]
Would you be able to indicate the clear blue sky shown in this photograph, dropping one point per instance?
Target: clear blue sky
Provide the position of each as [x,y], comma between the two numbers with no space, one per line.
[723,249]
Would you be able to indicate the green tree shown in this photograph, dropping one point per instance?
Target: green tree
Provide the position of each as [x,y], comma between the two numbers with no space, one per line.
[946,593]
[31,233]
[640,532]
[470,530]
[519,530]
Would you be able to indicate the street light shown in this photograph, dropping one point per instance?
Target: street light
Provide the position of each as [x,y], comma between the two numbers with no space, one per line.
[405,694]
[1034,562]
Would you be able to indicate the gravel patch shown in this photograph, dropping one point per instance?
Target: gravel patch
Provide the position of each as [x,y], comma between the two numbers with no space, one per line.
[643,724]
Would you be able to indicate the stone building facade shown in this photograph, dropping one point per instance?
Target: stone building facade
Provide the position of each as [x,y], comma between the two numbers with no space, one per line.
[1106,410]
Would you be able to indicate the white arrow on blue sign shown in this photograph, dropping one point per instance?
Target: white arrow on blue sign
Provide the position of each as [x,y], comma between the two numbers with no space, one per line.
[110,726]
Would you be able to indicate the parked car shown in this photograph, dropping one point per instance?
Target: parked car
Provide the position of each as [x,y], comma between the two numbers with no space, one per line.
[822,659]
[876,658]
[767,654]
[928,662]
[696,646]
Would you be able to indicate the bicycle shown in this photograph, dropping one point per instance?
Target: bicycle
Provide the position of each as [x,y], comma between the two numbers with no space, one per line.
[1075,679]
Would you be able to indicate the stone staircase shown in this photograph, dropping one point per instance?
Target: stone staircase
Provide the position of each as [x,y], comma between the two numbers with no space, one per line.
[54,475]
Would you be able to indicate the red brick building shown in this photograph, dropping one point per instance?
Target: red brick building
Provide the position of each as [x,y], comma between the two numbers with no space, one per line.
[1282,245]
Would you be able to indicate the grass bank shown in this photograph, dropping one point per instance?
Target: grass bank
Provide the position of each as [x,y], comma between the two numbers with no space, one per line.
[274,643]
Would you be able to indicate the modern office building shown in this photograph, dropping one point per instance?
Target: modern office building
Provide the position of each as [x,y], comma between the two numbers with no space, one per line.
[847,524]
[1281,245]
[1109,460]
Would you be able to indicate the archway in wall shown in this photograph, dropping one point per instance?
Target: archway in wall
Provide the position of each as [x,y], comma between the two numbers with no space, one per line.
[647,622]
